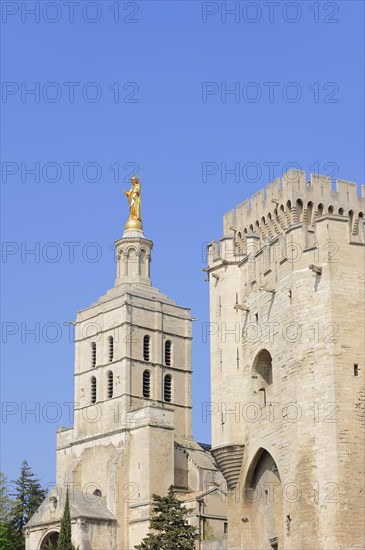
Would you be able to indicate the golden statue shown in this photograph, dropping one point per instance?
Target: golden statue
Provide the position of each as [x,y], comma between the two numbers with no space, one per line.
[134,200]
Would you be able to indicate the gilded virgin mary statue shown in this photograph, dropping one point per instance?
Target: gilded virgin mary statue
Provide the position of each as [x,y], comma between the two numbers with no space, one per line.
[134,200]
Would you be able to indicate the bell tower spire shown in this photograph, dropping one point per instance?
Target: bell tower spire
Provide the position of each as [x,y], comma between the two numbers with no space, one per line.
[133,249]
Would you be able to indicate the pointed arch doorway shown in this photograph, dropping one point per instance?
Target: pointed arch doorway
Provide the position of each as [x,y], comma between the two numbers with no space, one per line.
[263,503]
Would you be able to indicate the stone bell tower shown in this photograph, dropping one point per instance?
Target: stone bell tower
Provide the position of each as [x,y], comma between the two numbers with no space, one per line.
[132,433]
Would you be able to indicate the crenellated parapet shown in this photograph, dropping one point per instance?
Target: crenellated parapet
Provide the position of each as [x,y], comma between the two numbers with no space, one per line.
[288,202]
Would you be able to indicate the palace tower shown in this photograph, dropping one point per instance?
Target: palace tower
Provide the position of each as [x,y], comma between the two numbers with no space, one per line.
[287,365]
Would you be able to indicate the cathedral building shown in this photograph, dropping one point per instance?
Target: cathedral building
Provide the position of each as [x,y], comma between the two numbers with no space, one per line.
[132,433]
[287,365]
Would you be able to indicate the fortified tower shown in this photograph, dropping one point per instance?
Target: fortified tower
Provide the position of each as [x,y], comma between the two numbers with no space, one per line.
[132,433]
[287,365]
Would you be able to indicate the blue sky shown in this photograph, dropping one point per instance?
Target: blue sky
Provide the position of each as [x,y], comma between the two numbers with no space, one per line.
[145,89]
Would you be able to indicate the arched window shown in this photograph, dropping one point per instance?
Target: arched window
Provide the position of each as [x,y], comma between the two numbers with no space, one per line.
[341,211]
[146,384]
[93,389]
[168,352]
[93,354]
[331,210]
[320,209]
[146,347]
[167,388]
[110,384]
[262,367]
[110,348]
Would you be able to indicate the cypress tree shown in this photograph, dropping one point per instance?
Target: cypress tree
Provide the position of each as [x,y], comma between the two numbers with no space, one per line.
[65,539]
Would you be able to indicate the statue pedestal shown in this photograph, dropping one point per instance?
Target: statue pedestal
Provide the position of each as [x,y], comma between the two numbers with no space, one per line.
[132,233]
[133,223]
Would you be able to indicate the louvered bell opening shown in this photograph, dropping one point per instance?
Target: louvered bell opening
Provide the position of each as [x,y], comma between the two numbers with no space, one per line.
[93,390]
[111,349]
[146,384]
[93,354]
[110,384]
[146,348]
[168,353]
[167,388]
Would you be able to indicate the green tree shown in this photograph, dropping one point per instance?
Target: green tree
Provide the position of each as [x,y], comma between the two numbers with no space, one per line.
[9,538]
[169,526]
[28,497]
[65,540]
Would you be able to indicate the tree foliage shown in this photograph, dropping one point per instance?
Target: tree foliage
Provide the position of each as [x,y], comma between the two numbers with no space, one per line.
[170,529]
[8,535]
[17,508]
[28,495]
[65,538]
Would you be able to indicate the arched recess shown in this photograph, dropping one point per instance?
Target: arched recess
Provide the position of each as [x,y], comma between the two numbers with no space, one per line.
[282,218]
[361,226]
[310,214]
[263,502]
[262,368]
[351,221]
[288,213]
[263,228]
[51,537]
[132,261]
[262,376]
[299,208]
[143,263]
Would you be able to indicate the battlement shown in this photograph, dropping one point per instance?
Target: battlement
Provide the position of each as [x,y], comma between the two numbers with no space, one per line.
[293,199]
